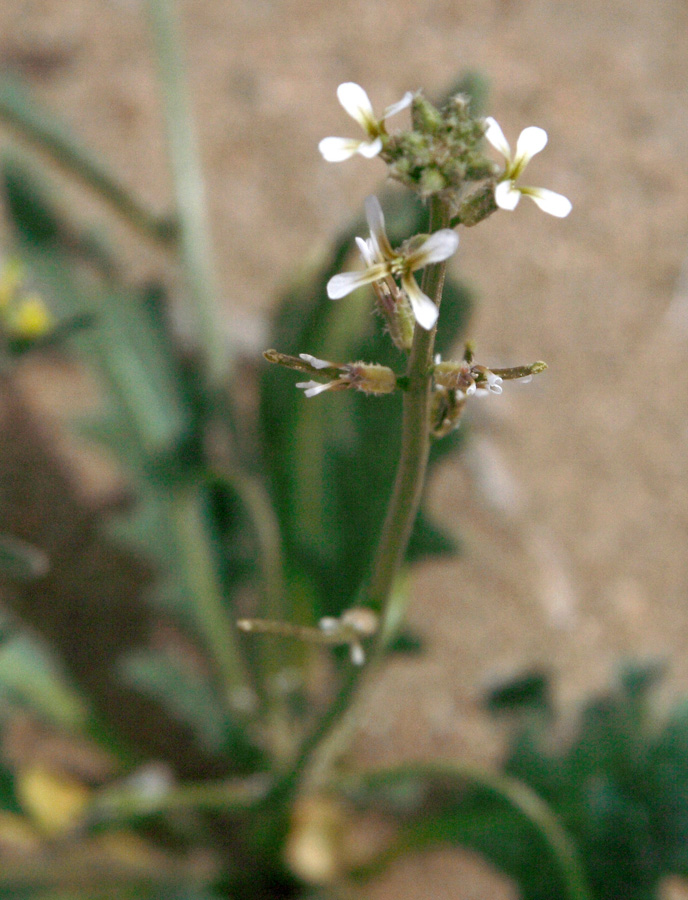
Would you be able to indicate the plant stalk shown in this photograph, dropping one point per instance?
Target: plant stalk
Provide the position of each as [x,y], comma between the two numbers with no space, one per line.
[191,208]
[124,802]
[214,622]
[332,734]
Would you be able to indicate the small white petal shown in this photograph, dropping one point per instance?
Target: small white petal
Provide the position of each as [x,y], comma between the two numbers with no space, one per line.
[549,201]
[356,102]
[329,624]
[374,216]
[357,654]
[311,388]
[336,149]
[530,141]
[315,362]
[369,149]
[507,195]
[345,283]
[424,310]
[435,248]
[392,110]
[366,250]
[495,136]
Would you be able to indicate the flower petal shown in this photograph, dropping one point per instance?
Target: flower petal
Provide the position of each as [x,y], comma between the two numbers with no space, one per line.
[345,283]
[336,149]
[311,388]
[356,102]
[315,362]
[424,310]
[369,149]
[392,110]
[495,136]
[530,141]
[376,223]
[507,195]
[435,248]
[549,201]
[367,251]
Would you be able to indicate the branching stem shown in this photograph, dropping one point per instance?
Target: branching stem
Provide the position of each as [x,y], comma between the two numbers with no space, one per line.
[330,738]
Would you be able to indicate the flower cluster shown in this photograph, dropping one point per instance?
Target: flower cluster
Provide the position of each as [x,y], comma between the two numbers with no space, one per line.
[351,628]
[440,154]
[383,264]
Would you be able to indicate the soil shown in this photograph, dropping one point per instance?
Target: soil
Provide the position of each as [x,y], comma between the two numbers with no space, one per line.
[572,499]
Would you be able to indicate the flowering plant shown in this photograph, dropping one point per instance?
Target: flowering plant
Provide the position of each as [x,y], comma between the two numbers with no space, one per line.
[276,547]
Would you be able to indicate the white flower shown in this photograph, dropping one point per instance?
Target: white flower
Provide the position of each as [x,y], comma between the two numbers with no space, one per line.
[356,102]
[383,262]
[507,193]
[370,378]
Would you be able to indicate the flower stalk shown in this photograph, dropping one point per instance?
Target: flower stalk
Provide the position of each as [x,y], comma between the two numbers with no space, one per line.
[330,738]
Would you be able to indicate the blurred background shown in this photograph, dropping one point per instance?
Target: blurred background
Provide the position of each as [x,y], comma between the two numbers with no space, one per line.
[571,498]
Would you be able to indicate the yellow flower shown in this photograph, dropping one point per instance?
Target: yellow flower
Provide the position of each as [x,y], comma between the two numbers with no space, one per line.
[30,319]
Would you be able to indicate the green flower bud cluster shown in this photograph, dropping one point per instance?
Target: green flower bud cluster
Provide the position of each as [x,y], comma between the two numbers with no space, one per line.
[441,154]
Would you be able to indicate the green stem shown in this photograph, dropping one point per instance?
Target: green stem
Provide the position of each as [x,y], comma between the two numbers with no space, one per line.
[128,802]
[39,129]
[214,622]
[257,503]
[334,730]
[508,790]
[194,231]
[415,447]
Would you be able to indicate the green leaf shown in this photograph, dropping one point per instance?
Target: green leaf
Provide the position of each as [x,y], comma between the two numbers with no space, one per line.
[31,678]
[182,689]
[459,805]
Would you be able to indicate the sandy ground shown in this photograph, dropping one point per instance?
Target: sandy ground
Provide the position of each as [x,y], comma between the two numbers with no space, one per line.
[573,499]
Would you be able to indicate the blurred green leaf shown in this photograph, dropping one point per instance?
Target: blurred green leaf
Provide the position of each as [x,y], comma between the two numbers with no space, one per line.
[21,560]
[619,784]
[181,688]
[31,678]
[529,691]
[499,817]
